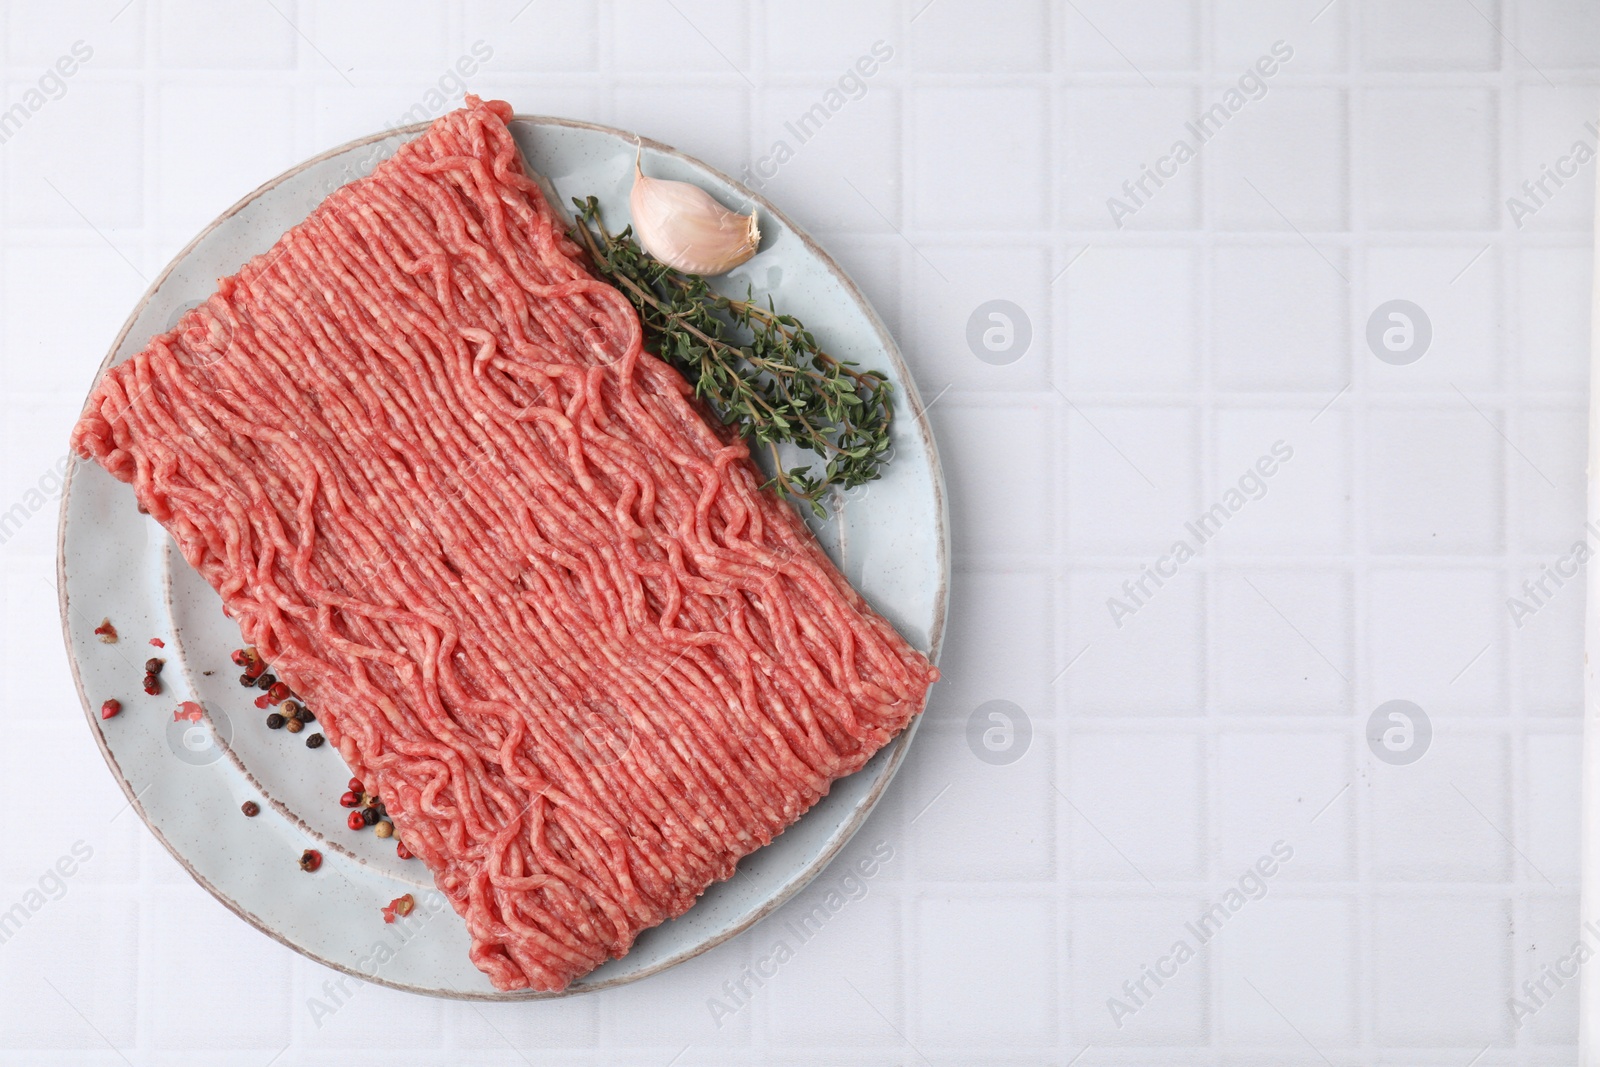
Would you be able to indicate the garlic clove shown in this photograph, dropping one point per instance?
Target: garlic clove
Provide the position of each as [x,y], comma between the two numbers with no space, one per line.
[684,227]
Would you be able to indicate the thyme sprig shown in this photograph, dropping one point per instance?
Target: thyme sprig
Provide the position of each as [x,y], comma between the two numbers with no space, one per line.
[761,372]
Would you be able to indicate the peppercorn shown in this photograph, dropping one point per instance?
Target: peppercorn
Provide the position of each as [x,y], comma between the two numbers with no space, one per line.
[278,692]
[106,632]
[369,816]
[356,787]
[250,808]
[154,665]
[385,828]
[152,685]
[240,659]
[310,860]
[247,681]
[401,850]
[405,905]
[315,741]
[110,708]
[294,726]
[265,682]
[350,800]
[355,821]
[262,701]
[292,709]
[275,721]
[305,714]
[256,669]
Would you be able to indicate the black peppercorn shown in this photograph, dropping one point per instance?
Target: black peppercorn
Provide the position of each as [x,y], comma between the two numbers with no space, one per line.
[369,816]
[251,809]
[315,741]
[266,681]
[154,665]
[275,721]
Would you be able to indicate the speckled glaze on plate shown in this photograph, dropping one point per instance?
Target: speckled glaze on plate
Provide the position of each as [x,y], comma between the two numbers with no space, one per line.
[187,779]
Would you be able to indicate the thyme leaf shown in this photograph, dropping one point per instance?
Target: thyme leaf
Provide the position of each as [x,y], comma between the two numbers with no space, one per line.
[761,372]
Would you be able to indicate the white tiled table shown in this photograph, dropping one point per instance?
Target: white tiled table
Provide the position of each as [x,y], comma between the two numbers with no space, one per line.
[1167,755]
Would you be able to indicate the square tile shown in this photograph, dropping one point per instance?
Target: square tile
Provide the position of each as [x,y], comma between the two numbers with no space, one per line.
[1285,473]
[1429,35]
[1544,618]
[1550,946]
[685,36]
[999,485]
[1108,140]
[1428,158]
[375,35]
[1287,151]
[978,822]
[1552,768]
[1244,31]
[1110,649]
[985,143]
[1130,477]
[198,34]
[804,162]
[1278,318]
[1547,481]
[984,976]
[1005,654]
[1556,31]
[56,163]
[1446,817]
[193,934]
[971,36]
[1552,315]
[1549,186]
[1295,788]
[988,328]
[1440,971]
[89,951]
[53,340]
[830,36]
[1435,481]
[809,1001]
[1437,637]
[1131,318]
[1458,289]
[1301,954]
[547,37]
[1136,805]
[208,160]
[1283,642]
[1113,940]
[1101,35]
[674,114]
[38,36]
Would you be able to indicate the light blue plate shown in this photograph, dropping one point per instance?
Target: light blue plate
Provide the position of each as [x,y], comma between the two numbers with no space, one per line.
[188,779]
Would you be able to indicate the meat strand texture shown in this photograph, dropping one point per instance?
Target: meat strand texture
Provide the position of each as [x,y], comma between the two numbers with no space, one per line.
[539,604]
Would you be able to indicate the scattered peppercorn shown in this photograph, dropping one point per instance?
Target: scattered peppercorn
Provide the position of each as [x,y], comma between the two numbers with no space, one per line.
[305,714]
[310,860]
[109,709]
[157,642]
[356,786]
[106,632]
[355,821]
[315,741]
[265,682]
[401,850]
[292,708]
[294,726]
[369,816]
[247,681]
[251,809]
[278,692]
[243,657]
[152,685]
[275,721]
[350,800]
[401,906]
[154,665]
[385,828]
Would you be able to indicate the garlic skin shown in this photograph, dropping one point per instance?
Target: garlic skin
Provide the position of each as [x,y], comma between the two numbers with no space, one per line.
[684,227]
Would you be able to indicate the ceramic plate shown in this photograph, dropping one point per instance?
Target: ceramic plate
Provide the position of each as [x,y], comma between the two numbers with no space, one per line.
[188,777]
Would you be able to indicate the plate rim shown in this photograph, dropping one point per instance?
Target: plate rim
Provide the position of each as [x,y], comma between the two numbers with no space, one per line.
[899,746]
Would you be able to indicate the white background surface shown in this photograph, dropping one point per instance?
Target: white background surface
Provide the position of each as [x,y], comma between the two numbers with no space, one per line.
[1227,713]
